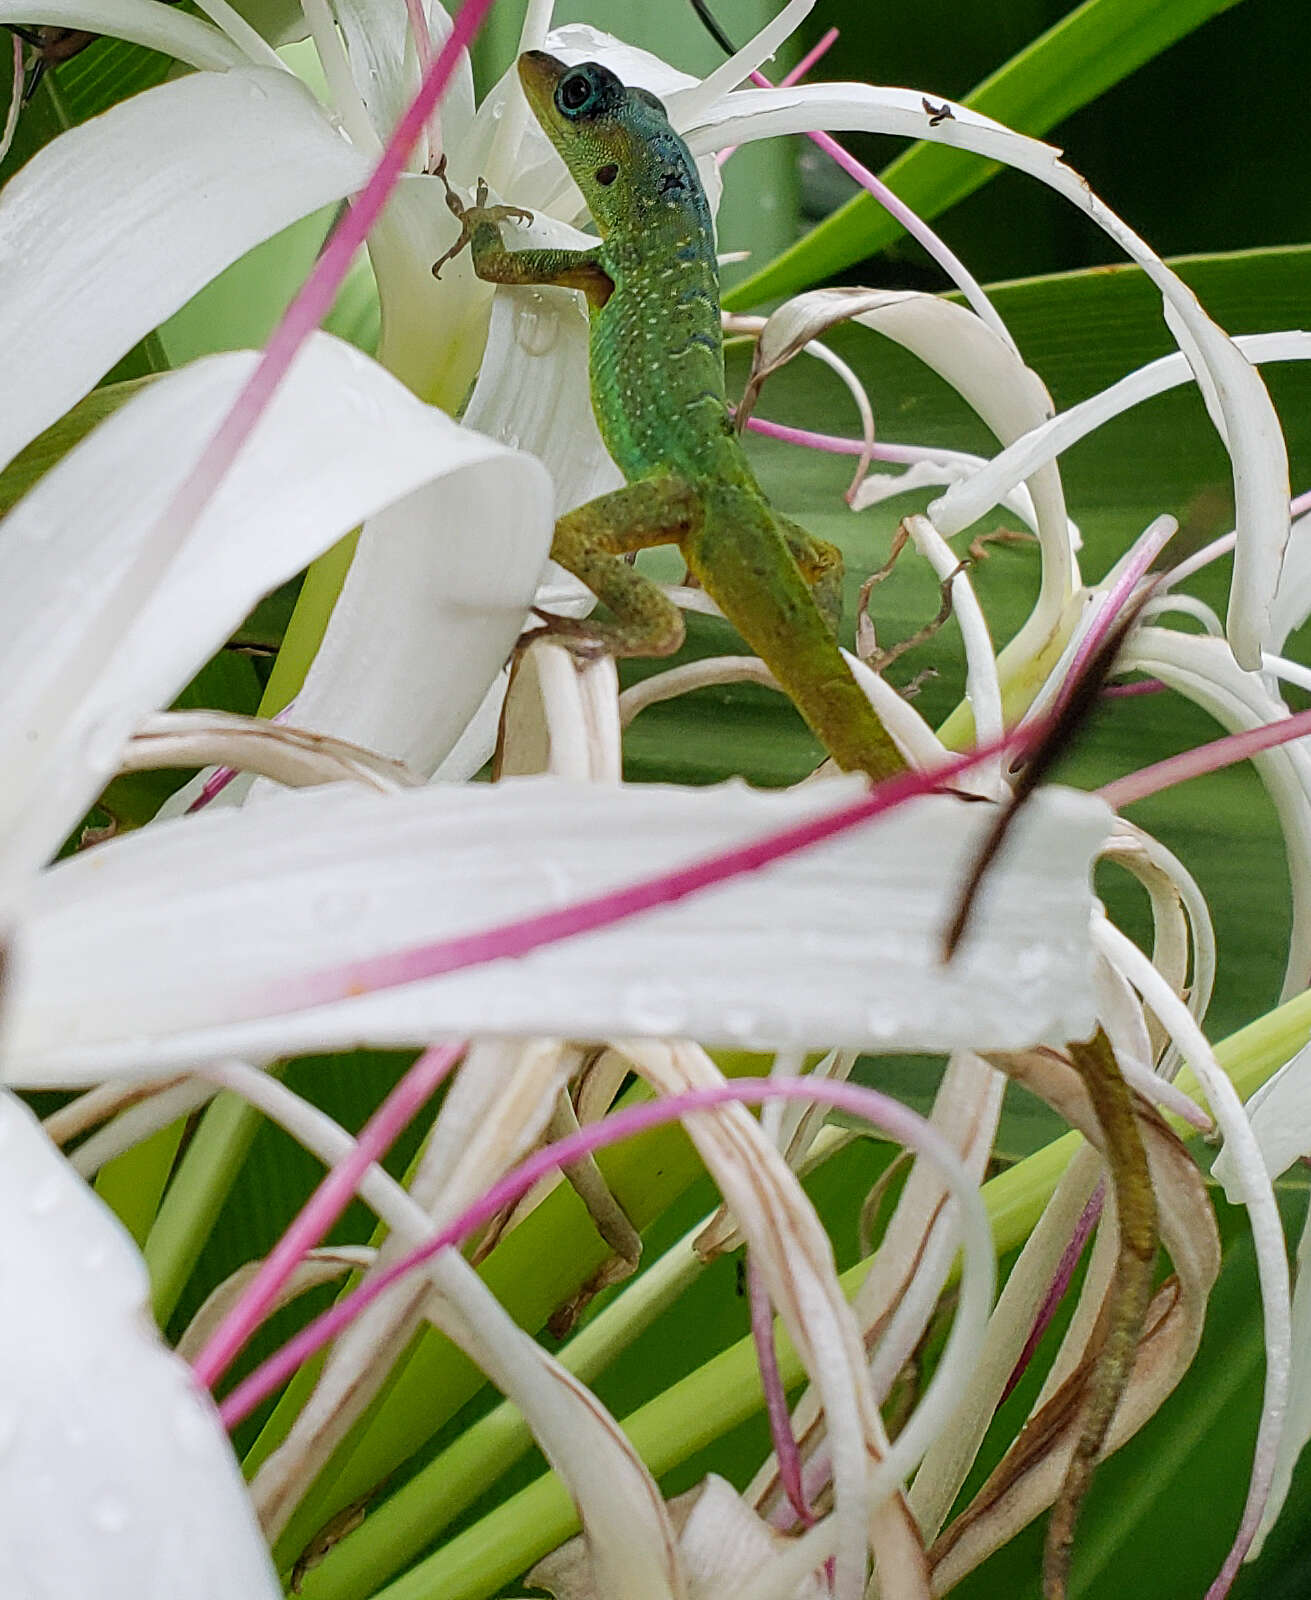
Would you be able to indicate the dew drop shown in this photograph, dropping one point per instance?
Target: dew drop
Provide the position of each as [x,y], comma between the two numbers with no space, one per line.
[536,332]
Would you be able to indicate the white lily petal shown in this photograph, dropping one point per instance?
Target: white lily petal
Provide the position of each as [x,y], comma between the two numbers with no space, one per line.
[1260,462]
[385,66]
[329,878]
[147,22]
[1252,1185]
[1205,671]
[985,371]
[1293,597]
[1280,1114]
[99,627]
[974,494]
[1297,1425]
[738,68]
[1241,412]
[116,1476]
[110,228]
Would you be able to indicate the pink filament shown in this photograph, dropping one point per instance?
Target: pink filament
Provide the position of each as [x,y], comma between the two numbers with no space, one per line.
[896,1120]
[665,888]
[795,76]
[776,1400]
[1088,1219]
[322,1209]
[1123,691]
[310,306]
[1205,758]
[1148,548]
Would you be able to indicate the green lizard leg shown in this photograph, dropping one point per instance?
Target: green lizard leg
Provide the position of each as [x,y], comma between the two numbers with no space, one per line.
[480,230]
[821,566]
[592,541]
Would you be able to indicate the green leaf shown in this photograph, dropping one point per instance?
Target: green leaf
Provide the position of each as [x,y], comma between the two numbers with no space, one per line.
[49,448]
[1078,59]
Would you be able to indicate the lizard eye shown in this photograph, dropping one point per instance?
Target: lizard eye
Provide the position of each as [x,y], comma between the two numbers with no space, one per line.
[574,92]
[607,174]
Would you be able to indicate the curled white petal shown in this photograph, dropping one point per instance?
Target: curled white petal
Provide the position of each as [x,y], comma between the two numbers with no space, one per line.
[102,622]
[1251,427]
[111,227]
[116,1474]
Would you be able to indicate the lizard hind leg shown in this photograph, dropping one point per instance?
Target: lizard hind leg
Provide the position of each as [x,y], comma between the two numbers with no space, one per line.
[821,566]
[592,541]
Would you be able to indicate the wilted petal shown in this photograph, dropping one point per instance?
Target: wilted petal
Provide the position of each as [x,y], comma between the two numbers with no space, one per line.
[115,224]
[116,1477]
[274,909]
[99,624]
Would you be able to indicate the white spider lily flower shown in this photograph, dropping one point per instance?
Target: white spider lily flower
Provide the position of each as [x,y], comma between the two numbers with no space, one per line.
[117,1476]
[103,619]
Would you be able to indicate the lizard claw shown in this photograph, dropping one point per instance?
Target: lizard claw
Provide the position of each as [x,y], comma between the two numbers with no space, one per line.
[473,217]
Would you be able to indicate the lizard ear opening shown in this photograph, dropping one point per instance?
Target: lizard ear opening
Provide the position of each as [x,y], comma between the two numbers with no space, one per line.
[607,174]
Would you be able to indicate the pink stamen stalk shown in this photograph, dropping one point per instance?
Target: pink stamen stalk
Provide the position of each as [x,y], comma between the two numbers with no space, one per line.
[616,905]
[1205,758]
[794,76]
[221,777]
[837,445]
[1149,546]
[324,1206]
[1123,691]
[880,1110]
[15,96]
[776,1400]
[1060,1283]
[315,298]
[1224,545]
[915,226]
[422,36]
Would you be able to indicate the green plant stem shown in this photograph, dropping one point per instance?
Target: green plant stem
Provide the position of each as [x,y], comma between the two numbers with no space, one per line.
[452,1482]
[725,1391]
[195,1198]
[133,1183]
[536,1267]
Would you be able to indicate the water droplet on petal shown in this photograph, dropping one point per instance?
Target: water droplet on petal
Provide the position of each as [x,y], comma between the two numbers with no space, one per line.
[536,329]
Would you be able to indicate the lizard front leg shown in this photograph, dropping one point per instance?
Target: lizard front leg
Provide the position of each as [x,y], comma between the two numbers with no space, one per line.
[592,541]
[493,263]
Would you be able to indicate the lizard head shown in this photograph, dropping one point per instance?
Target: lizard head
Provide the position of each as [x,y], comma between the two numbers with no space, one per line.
[615,140]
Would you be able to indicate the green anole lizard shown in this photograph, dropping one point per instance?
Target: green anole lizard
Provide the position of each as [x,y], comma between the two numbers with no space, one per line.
[657,384]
